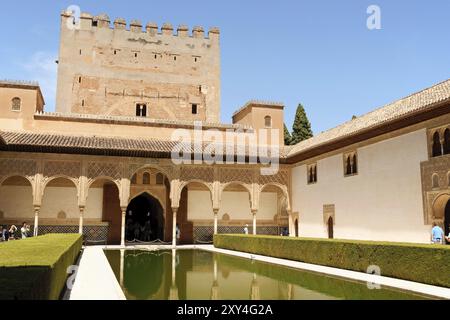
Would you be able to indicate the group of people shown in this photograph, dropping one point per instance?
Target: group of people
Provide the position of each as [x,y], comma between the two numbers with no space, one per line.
[11,233]
[438,235]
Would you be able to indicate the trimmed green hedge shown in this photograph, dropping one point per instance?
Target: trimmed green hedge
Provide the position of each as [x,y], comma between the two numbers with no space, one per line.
[36,268]
[428,264]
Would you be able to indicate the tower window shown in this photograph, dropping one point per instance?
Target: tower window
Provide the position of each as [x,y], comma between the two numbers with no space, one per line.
[16,104]
[194,109]
[79,79]
[82,103]
[141,110]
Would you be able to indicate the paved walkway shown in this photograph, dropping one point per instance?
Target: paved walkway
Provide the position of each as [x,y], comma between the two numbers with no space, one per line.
[96,281]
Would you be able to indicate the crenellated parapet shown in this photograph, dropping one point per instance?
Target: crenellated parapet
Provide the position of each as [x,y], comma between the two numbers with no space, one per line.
[91,22]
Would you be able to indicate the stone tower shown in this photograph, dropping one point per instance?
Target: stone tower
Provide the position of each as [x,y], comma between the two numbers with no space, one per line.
[120,71]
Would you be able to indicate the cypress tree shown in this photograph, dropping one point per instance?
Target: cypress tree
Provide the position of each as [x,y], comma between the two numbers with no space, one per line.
[302,127]
[287,136]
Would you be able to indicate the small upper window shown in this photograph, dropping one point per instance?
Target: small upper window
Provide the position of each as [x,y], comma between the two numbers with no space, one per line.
[16,104]
[268,122]
[312,173]
[146,178]
[436,147]
[159,179]
[141,110]
[195,109]
[351,164]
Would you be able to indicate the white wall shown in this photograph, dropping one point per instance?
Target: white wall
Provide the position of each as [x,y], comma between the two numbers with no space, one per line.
[235,204]
[16,202]
[383,202]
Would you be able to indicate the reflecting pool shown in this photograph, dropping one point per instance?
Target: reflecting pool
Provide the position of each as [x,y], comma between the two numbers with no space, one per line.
[202,275]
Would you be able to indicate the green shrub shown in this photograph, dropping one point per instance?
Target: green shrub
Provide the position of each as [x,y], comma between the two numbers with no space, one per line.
[415,262]
[36,268]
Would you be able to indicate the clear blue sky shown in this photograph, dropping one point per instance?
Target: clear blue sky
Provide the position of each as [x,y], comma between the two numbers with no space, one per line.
[319,53]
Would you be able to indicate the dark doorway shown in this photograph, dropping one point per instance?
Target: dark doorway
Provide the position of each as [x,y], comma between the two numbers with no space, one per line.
[330,228]
[447,219]
[145,219]
[296,228]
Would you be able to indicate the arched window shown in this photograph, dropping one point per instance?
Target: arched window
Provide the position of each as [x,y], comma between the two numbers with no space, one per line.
[447,141]
[355,164]
[134,179]
[16,104]
[448,179]
[348,170]
[312,173]
[330,228]
[437,148]
[268,122]
[146,178]
[159,179]
[435,181]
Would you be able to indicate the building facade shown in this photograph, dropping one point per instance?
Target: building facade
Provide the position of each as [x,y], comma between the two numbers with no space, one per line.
[103,164]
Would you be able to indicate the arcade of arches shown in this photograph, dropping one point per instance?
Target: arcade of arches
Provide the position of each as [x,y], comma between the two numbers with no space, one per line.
[142,200]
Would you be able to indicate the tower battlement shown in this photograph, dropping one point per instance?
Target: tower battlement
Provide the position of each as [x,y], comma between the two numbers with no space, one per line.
[122,68]
[91,23]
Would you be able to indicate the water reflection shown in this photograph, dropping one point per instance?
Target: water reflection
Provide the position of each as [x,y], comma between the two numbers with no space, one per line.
[200,275]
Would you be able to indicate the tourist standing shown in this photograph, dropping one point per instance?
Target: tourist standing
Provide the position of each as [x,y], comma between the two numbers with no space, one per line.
[437,234]
[25,230]
[5,233]
[246,229]
[12,232]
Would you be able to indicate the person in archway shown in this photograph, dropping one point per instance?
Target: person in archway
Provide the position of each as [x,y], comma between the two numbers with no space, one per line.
[137,230]
[147,231]
[178,233]
[246,229]
[437,234]
[447,239]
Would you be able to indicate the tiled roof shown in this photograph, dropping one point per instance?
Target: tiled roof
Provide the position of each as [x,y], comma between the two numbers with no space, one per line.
[419,101]
[134,120]
[110,146]
[258,103]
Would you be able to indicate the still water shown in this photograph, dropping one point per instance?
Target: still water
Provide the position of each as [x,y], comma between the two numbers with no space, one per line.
[202,275]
